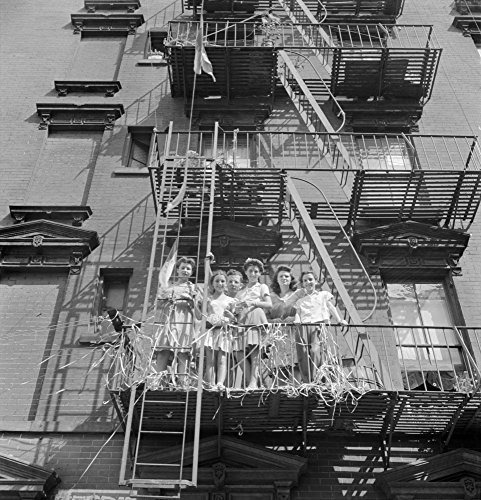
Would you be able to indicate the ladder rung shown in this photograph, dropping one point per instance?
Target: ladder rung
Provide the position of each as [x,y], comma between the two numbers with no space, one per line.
[166,401]
[158,465]
[161,432]
[159,483]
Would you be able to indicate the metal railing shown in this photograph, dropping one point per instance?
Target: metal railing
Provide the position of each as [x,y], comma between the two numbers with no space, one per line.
[303,358]
[304,33]
[299,150]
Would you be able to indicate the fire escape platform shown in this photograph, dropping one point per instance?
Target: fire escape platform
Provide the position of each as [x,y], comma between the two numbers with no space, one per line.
[241,193]
[245,79]
[407,412]
[436,196]
[378,11]
[394,66]
[354,11]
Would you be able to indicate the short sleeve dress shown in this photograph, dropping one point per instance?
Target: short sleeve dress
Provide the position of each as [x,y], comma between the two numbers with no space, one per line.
[255,316]
[220,337]
[175,316]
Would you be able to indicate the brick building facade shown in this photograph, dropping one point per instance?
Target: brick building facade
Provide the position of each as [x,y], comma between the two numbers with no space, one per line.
[78,221]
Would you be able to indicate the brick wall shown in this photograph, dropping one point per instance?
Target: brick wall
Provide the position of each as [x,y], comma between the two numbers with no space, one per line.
[70,456]
[37,46]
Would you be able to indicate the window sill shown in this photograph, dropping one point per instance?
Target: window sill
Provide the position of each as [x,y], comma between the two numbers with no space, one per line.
[152,62]
[129,172]
[96,339]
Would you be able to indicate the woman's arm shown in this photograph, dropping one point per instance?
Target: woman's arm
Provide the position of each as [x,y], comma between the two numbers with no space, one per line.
[265,302]
[335,313]
[298,294]
[165,293]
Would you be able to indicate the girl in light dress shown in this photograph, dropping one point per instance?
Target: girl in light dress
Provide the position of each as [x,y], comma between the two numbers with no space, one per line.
[219,340]
[252,302]
[283,353]
[178,306]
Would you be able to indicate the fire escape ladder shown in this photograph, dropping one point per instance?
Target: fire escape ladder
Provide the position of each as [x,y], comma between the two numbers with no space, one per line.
[311,242]
[178,181]
[316,120]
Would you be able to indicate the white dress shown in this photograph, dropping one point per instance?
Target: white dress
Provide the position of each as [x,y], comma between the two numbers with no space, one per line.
[220,336]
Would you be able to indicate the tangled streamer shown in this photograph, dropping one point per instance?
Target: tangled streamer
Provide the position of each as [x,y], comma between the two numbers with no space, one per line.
[133,362]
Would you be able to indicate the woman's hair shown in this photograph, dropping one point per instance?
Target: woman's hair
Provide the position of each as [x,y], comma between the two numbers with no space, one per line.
[219,272]
[308,272]
[253,262]
[235,272]
[275,284]
[185,260]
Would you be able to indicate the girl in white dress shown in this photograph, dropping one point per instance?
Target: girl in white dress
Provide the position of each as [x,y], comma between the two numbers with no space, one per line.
[219,340]
[252,303]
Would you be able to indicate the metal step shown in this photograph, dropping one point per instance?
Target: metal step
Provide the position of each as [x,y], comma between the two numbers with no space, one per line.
[157,497]
[159,483]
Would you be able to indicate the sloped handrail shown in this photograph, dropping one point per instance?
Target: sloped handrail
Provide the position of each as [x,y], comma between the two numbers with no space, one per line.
[331,208]
[315,250]
[340,111]
[299,14]
[313,116]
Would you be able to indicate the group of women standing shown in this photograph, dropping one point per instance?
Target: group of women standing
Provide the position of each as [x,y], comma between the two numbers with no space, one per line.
[237,319]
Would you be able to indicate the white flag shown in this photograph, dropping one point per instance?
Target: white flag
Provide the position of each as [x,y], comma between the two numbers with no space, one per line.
[201,61]
[168,267]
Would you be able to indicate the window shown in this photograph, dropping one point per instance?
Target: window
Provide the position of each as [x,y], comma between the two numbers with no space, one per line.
[139,148]
[114,285]
[385,153]
[234,149]
[112,295]
[430,358]
[155,48]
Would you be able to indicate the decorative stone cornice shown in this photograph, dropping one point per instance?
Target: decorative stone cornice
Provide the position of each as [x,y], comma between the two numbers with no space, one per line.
[45,244]
[128,5]
[76,214]
[452,475]
[93,116]
[411,244]
[31,481]
[109,88]
[107,23]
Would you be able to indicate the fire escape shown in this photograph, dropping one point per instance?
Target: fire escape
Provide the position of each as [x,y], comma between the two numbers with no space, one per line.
[242,189]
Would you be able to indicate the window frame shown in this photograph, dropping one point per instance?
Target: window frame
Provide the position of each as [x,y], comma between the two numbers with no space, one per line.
[118,274]
[126,168]
[425,367]
[152,58]
[410,149]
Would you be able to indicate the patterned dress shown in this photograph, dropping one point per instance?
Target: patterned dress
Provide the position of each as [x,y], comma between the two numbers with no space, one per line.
[250,316]
[175,317]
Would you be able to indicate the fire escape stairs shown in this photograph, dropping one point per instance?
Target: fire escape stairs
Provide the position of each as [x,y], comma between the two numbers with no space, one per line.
[363,350]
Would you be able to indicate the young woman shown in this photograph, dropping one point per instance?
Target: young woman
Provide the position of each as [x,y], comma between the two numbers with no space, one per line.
[315,307]
[178,305]
[252,303]
[218,341]
[283,353]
